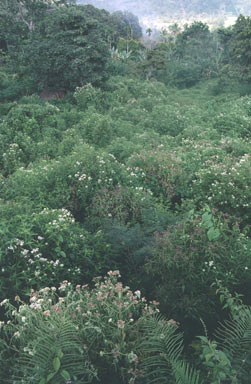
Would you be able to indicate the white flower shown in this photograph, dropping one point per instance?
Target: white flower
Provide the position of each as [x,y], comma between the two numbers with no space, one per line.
[4,302]
[138,294]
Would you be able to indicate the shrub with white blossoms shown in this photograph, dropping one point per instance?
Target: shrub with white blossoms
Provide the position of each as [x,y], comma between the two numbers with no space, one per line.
[225,185]
[104,323]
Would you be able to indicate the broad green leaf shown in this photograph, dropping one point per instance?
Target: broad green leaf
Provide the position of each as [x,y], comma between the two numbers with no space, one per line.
[65,374]
[213,234]
[56,364]
[50,376]
[60,354]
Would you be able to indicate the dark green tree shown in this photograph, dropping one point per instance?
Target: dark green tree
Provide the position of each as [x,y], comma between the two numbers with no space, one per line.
[67,50]
[240,47]
[132,27]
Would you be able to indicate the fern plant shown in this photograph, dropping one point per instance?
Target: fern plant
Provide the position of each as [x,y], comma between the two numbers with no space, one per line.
[234,338]
[227,359]
[163,347]
[54,353]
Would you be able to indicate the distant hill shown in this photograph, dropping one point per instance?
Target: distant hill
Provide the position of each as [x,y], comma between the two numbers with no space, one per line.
[174,7]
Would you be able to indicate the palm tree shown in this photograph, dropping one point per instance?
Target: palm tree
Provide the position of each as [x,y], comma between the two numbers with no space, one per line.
[149,32]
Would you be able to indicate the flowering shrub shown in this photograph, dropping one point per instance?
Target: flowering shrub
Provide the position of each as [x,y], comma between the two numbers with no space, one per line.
[225,185]
[77,333]
[189,256]
[120,203]
[166,120]
[70,183]
[160,171]
[234,119]
[52,247]
[87,96]
[21,131]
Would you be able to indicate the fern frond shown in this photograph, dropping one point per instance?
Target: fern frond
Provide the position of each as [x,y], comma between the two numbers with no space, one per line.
[49,337]
[184,373]
[162,337]
[163,346]
[235,336]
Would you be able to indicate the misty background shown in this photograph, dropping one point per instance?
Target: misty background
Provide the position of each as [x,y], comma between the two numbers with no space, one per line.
[158,13]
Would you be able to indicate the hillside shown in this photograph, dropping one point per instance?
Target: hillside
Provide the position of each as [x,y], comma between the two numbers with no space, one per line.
[125,198]
[171,7]
[160,13]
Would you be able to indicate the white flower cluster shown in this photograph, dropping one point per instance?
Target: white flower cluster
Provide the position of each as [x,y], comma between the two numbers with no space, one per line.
[60,216]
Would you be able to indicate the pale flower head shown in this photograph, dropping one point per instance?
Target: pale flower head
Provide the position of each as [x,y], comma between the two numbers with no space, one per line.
[121,324]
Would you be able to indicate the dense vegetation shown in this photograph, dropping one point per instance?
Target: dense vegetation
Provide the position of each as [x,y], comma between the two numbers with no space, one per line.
[121,161]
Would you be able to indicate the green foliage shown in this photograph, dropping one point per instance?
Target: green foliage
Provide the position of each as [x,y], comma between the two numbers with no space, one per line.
[163,346]
[48,245]
[133,29]
[125,174]
[240,46]
[225,186]
[189,256]
[228,357]
[160,172]
[23,130]
[96,128]
[166,120]
[67,51]
[132,46]
[79,332]
[88,96]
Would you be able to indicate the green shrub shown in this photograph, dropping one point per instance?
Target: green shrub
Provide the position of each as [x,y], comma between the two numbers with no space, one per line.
[88,96]
[166,120]
[38,247]
[189,256]
[96,129]
[77,333]
[160,171]
[225,185]
[28,131]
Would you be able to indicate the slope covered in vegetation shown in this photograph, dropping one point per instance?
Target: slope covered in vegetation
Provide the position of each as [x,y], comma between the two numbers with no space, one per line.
[122,161]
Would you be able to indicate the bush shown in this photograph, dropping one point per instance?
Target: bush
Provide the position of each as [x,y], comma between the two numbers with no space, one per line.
[96,129]
[77,334]
[49,245]
[166,120]
[160,172]
[225,185]
[23,131]
[189,256]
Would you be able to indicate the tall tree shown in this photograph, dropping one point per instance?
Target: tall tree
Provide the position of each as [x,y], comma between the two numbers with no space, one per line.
[133,28]
[240,46]
[67,50]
